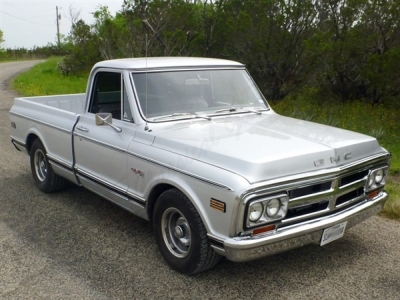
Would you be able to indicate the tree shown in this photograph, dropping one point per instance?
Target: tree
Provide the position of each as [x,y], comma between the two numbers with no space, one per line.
[268,36]
[1,38]
[357,46]
[83,49]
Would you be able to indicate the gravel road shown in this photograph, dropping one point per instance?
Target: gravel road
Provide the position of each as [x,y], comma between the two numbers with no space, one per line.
[75,245]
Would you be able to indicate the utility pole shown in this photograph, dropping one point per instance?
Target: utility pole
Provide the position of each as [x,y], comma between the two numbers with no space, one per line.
[58,17]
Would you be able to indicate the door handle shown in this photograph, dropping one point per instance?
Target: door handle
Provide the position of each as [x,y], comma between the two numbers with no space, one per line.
[81,128]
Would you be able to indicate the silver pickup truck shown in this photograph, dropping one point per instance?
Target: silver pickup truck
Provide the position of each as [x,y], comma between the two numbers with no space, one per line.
[192,145]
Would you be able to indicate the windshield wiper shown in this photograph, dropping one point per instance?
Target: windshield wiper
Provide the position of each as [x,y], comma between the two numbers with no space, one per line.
[230,109]
[185,114]
[235,109]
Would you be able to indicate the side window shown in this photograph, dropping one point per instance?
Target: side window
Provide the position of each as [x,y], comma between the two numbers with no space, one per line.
[106,94]
[127,116]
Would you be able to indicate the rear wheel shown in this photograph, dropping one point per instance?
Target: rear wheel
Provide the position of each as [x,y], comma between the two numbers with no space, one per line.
[43,175]
[181,235]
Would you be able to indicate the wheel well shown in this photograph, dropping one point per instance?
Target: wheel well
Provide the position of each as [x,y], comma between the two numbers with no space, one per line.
[29,141]
[154,194]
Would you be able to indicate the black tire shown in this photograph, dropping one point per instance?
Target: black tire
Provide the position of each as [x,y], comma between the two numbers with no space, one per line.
[43,175]
[181,235]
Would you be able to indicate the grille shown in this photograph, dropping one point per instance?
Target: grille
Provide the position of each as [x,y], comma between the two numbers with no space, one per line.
[353,177]
[307,209]
[321,198]
[312,189]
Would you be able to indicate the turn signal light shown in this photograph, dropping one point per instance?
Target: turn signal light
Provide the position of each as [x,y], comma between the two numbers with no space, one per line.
[373,194]
[264,229]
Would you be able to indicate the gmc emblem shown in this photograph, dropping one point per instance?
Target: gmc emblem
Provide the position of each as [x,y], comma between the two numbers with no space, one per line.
[334,159]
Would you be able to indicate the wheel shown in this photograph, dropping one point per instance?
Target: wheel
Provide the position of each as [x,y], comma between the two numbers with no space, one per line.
[181,235]
[43,175]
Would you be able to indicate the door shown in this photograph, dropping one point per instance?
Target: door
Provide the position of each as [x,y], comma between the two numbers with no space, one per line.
[101,150]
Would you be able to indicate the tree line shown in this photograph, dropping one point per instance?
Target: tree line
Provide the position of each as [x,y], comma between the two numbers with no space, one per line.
[32,53]
[344,49]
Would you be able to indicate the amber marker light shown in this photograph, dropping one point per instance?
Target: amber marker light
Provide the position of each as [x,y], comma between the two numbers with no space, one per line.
[373,194]
[264,229]
[218,205]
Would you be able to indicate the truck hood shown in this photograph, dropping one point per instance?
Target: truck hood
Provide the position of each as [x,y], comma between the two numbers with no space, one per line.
[263,147]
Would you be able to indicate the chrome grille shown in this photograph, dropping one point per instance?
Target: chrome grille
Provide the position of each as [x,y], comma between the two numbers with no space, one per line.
[320,198]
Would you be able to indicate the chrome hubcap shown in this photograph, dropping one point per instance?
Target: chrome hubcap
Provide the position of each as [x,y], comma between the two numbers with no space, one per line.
[176,232]
[40,165]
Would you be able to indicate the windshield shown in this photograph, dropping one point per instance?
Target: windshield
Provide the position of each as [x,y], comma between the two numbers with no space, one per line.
[205,92]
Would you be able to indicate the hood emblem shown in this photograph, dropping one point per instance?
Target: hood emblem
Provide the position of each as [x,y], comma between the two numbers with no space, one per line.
[334,159]
[319,162]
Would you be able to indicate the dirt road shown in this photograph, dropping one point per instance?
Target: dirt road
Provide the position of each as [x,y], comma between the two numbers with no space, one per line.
[75,245]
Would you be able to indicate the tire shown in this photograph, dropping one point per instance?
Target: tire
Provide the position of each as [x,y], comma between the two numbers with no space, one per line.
[43,175]
[181,235]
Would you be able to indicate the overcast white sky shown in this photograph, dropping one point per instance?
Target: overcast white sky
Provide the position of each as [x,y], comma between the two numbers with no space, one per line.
[26,23]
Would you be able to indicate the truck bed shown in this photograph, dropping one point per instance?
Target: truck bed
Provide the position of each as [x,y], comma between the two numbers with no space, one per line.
[50,118]
[73,103]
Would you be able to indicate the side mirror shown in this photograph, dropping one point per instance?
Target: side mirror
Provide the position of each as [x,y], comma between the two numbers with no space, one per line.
[106,119]
[103,119]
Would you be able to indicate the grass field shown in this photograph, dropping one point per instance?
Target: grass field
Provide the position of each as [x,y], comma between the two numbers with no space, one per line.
[378,121]
[45,79]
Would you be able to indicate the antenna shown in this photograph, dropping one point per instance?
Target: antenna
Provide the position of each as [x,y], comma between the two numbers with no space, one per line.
[147,126]
[146,73]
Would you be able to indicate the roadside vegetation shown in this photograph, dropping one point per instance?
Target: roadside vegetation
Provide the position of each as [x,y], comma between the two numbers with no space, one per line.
[21,53]
[46,79]
[376,120]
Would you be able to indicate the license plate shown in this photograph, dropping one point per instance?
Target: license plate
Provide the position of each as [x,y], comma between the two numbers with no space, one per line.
[333,233]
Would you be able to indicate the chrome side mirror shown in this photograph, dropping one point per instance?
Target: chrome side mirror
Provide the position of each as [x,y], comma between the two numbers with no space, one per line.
[106,119]
[103,119]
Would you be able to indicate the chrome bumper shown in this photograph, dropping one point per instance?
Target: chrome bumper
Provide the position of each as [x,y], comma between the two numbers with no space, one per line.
[241,249]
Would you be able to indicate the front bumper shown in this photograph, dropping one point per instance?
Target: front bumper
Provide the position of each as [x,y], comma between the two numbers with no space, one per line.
[241,249]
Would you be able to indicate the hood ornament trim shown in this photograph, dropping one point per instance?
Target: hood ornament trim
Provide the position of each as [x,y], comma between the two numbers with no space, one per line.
[334,159]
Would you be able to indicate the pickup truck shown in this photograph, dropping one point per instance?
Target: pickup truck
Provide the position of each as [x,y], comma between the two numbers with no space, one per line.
[192,145]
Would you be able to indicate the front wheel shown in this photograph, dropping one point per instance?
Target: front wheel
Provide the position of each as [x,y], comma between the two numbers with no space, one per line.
[181,235]
[43,175]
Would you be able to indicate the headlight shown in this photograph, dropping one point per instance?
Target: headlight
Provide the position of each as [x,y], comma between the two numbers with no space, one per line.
[379,176]
[376,178]
[273,207]
[371,181]
[256,211]
[266,209]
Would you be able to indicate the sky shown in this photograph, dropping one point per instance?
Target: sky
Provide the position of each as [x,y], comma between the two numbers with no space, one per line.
[29,23]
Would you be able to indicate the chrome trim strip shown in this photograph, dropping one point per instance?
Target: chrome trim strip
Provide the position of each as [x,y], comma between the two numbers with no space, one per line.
[97,179]
[17,141]
[194,68]
[215,242]
[60,163]
[309,199]
[349,189]
[110,191]
[181,171]
[100,143]
[110,187]
[43,123]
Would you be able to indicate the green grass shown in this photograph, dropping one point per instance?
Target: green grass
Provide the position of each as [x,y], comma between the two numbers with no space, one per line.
[45,79]
[379,121]
[392,206]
